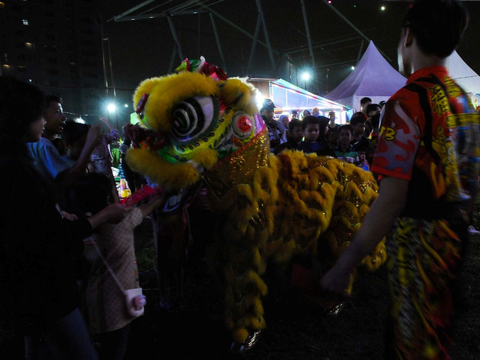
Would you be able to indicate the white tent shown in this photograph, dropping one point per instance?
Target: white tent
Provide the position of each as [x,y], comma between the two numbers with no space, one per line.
[463,74]
[373,77]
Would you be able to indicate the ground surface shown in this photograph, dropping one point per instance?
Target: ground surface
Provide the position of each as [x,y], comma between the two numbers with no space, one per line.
[298,329]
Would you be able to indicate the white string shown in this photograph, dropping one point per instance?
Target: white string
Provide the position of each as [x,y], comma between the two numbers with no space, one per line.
[109,268]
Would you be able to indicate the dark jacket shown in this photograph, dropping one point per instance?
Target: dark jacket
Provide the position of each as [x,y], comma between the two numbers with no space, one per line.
[37,246]
[316,147]
[289,144]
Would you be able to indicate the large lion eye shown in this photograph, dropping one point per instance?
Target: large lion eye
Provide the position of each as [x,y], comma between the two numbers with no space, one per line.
[192,117]
[242,125]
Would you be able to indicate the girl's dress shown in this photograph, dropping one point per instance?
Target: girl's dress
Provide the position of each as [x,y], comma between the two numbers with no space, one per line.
[105,301]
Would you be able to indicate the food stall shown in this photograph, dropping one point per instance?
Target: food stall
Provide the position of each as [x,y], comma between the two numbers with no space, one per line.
[288,97]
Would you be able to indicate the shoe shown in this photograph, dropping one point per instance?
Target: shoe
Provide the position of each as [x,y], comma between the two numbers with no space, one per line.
[248,344]
[473,231]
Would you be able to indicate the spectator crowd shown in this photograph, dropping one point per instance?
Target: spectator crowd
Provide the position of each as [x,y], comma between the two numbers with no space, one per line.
[65,233]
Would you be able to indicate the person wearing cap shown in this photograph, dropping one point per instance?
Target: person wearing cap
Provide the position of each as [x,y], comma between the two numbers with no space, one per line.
[275,130]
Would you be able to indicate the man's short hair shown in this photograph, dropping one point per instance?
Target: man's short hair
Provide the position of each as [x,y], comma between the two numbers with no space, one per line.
[357,119]
[345,127]
[375,120]
[437,25]
[52,98]
[294,123]
[309,119]
[365,100]
[372,107]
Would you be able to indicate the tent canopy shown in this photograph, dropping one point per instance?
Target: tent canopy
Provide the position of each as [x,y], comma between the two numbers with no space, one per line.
[463,74]
[290,97]
[373,77]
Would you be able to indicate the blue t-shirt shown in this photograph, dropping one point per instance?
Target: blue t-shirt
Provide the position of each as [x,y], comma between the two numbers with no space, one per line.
[47,159]
[309,147]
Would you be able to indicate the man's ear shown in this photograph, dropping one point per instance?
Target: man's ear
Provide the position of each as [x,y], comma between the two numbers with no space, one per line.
[408,40]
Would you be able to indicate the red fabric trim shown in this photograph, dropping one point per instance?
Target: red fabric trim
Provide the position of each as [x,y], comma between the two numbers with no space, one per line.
[382,171]
[439,71]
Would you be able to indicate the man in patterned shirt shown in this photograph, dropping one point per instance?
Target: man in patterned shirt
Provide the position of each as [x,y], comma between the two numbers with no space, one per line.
[426,161]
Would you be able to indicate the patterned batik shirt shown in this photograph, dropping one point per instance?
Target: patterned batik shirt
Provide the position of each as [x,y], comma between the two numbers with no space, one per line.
[429,136]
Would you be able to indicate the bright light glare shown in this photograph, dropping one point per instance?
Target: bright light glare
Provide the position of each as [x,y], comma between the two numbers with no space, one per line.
[80,120]
[305,76]
[353,68]
[126,105]
[382,8]
[259,98]
[111,107]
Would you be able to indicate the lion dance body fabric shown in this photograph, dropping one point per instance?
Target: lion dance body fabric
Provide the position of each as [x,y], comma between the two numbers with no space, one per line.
[201,128]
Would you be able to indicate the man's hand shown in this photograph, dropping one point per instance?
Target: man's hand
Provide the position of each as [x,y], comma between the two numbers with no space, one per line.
[336,281]
[69,216]
[93,137]
[376,224]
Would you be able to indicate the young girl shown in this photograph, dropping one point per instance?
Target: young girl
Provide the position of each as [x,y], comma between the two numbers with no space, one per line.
[108,318]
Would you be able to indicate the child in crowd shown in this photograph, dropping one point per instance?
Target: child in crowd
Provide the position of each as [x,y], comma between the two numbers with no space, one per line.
[357,123]
[344,151]
[311,133]
[108,318]
[361,148]
[311,130]
[101,158]
[372,109]
[295,134]
[375,120]
[134,180]
[74,137]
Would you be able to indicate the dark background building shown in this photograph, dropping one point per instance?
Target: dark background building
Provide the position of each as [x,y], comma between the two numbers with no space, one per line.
[56,45]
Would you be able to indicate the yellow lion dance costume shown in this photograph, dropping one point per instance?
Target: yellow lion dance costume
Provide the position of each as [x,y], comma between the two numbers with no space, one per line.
[206,128]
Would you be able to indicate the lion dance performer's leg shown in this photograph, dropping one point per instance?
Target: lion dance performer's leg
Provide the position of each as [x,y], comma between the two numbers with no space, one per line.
[245,237]
[424,254]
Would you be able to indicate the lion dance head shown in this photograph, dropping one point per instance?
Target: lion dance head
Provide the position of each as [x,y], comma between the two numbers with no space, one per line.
[191,120]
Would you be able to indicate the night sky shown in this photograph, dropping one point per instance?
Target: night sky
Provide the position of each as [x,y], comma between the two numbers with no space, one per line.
[143,48]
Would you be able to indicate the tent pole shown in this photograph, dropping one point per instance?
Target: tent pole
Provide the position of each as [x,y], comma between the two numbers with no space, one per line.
[267,39]
[217,37]
[302,48]
[353,26]
[254,44]
[175,37]
[145,3]
[172,60]
[360,51]
[246,33]
[304,11]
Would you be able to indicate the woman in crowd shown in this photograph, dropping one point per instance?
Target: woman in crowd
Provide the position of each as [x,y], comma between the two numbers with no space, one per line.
[38,241]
